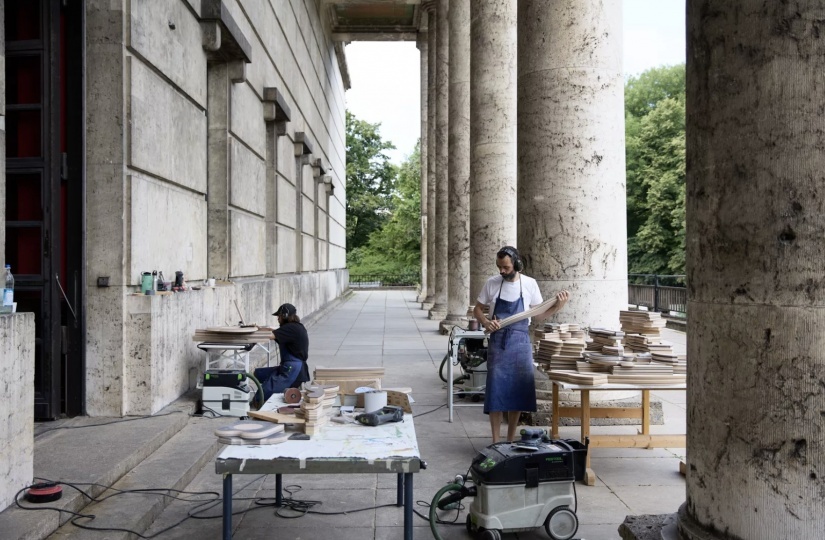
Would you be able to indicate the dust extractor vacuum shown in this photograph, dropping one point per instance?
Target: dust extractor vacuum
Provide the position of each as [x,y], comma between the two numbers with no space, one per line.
[519,486]
[225,386]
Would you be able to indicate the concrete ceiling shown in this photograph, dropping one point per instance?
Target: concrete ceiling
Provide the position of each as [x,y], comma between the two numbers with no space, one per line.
[373,20]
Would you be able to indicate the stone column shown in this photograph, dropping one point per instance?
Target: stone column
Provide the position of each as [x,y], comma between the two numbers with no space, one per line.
[571,159]
[442,127]
[422,44]
[458,275]
[218,115]
[492,136]
[756,288]
[432,211]
[276,115]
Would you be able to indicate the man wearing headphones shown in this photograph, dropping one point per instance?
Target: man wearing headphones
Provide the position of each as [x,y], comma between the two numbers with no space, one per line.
[293,344]
[511,387]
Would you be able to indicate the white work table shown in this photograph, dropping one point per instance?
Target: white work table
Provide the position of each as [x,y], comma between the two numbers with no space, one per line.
[336,449]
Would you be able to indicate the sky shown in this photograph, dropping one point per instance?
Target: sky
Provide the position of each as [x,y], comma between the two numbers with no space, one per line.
[385,76]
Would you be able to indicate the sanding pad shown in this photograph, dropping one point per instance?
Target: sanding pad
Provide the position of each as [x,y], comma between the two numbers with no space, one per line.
[44,492]
[292,395]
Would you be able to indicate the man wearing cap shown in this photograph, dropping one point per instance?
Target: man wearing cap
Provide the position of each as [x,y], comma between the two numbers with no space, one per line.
[293,344]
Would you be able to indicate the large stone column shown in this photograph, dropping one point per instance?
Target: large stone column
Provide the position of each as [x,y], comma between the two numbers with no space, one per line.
[432,211]
[421,43]
[458,290]
[756,286]
[571,194]
[492,136]
[442,127]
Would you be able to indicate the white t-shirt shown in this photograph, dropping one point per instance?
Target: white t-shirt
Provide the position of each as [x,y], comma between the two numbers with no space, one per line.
[510,290]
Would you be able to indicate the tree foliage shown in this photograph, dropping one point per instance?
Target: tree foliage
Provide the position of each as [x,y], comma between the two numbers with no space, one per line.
[370,178]
[655,146]
[389,240]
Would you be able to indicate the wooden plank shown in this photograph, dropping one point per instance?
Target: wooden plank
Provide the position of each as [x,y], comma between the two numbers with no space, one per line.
[645,412]
[555,420]
[637,441]
[276,417]
[532,312]
[601,412]
[589,476]
[586,421]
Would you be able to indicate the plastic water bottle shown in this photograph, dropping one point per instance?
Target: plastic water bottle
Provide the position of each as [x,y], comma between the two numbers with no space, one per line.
[8,291]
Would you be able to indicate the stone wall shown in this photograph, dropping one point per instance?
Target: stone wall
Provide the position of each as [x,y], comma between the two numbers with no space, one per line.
[2,136]
[16,405]
[162,360]
[180,159]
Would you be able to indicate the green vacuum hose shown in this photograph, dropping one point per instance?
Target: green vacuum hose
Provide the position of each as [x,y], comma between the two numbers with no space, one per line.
[259,390]
[434,506]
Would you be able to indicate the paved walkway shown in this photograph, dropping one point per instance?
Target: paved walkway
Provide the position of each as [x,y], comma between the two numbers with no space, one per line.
[387,328]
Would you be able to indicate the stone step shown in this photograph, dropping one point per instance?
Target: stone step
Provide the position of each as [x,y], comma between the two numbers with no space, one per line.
[172,466]
[67,451]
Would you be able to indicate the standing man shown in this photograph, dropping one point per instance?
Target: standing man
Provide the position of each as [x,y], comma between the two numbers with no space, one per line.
[293,343]
[511,387]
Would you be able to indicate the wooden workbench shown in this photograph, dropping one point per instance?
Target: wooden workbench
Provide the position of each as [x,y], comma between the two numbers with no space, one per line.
[642,439]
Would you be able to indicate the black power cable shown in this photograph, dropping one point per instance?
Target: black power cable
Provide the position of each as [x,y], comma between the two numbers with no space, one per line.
[300,507]
[106,423]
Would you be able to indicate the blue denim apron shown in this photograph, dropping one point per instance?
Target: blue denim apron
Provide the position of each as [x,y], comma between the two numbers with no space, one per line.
[290,374]
[510,382]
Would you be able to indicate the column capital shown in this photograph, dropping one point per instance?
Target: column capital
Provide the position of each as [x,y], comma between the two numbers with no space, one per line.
[428,5]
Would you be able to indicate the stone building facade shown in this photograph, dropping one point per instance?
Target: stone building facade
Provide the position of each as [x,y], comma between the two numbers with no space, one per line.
[208,136]
[201,136]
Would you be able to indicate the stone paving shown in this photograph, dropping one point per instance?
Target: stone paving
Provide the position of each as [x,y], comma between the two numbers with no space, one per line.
[387,328]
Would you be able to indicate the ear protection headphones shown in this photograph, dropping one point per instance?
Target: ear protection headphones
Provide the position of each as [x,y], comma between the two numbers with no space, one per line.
[512,252]
[285,311]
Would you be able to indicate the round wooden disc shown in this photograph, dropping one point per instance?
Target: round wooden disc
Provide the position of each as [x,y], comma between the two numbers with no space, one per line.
[292,395]
[233,329]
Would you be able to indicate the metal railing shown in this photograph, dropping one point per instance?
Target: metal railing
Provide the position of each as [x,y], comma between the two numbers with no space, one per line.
[371,281]
[657,292]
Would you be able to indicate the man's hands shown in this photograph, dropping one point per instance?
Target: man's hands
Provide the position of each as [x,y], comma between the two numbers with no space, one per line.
[561,299]
[491,325]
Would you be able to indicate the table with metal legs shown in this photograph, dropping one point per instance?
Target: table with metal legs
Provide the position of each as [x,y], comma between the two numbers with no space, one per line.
[337,449]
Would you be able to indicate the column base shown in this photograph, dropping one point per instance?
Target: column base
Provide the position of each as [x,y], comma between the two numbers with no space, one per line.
[446,326]
[438,312]
[689,529]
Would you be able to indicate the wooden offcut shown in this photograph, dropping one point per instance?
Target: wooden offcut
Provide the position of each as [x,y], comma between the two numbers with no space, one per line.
[532,312]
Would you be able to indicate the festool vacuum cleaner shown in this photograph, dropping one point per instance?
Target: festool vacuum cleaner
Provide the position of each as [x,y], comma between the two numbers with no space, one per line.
[519,486]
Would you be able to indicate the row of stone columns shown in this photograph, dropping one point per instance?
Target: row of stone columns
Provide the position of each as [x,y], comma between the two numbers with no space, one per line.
[755,220]
[566,213]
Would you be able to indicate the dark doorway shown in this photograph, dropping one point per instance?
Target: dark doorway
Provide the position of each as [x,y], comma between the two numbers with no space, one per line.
[45,191]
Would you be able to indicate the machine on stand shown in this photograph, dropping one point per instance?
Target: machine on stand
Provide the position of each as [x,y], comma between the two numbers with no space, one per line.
[468,350]
[519,486]
[225,387]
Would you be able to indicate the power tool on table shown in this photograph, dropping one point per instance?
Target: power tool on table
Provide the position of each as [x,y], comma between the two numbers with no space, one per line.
[519,486]
[389,413]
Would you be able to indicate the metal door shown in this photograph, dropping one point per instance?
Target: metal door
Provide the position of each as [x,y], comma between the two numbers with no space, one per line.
[43,210]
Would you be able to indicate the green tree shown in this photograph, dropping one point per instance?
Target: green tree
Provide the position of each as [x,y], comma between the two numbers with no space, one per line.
[655,147]
[370,178]
[395,248]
